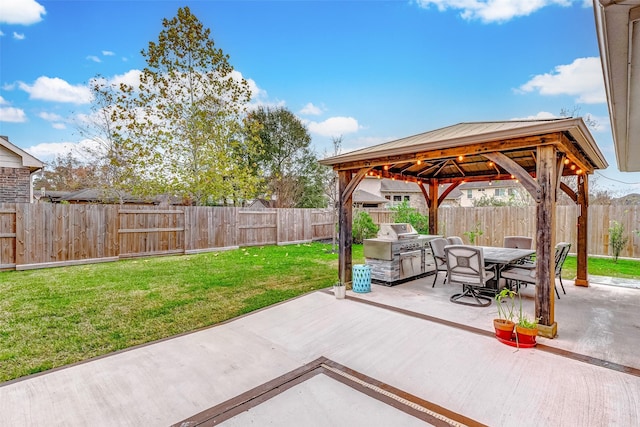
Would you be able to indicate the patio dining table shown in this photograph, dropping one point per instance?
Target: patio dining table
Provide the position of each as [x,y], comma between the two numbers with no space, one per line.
[502,257]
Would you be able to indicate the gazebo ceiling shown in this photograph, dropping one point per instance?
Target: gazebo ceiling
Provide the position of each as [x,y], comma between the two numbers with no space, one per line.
[465,151]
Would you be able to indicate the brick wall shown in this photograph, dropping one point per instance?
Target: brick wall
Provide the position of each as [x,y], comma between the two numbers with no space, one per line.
[14,185]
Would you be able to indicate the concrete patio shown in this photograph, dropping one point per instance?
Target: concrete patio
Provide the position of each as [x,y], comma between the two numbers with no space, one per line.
[400,355]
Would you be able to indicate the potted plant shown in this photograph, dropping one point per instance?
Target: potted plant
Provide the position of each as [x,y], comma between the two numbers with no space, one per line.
[505,301]
[339,290]
[526,330]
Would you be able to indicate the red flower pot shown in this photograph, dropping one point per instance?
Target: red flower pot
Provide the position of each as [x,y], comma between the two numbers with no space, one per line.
[526,336]
[504,328]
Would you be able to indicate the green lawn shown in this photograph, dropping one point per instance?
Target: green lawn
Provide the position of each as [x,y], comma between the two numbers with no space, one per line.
[624,268]
[53,317]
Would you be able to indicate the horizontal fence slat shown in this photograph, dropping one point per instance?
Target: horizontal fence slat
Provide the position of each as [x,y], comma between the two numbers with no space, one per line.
[152,253]
[150,212]
[150,230]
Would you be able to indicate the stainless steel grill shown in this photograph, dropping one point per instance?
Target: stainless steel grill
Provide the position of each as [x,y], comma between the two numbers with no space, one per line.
[398,253]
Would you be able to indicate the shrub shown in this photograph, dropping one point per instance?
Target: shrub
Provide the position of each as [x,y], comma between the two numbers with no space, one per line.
[617,239]
[472,235]
[363,227]
[405,213]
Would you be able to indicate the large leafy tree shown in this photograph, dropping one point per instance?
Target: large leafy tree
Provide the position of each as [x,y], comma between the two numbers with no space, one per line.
[184,120]
[290,165]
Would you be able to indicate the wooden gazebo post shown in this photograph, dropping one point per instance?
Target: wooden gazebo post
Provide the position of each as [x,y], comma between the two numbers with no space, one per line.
[347,183]
[547,177]
[582,278]
[345,220]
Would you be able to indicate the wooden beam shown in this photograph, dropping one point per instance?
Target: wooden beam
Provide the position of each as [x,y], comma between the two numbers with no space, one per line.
[348,191]
[433,208]
[424,193]
[345,224]
[545,241]
[559,169]
[516,170]
[564,144]
[446,192]
[582,277]
[409,178]
[569,192]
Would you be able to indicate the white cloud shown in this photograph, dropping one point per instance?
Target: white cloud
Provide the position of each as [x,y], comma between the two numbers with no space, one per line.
[18,36]
[107,53]
[47,151]
[581,78]
[3,101]
[59,126]
[494,10]
[22,12]
[130,78]
[57,90]
[1,33]
[334,126]
[50,117]
[12,115]
[310,110]
[541,115]
[94,58]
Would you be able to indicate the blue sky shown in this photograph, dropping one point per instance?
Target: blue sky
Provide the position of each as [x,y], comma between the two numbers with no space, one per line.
[371,71]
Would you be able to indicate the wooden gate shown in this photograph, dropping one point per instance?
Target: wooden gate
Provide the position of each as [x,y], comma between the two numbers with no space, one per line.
[7,238]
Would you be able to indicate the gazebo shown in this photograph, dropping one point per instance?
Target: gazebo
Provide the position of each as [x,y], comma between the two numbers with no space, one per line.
[535,152]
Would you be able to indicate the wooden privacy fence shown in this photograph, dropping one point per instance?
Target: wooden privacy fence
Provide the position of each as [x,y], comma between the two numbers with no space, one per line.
[45,235]
[498,222]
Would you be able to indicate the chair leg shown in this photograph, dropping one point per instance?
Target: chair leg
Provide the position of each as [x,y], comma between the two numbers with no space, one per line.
[563,291]
[556,288]
[435,279]
[469,292]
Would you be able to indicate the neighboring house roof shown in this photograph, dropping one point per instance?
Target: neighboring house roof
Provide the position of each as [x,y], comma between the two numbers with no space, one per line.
[454,195]
[485,184]
[261,204]
[395,186]
[95,195]
[23,159]
[389,185]
[629,199]
[360,196]
[618,29]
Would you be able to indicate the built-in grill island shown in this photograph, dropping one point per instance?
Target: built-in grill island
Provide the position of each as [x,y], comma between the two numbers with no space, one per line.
[398,253]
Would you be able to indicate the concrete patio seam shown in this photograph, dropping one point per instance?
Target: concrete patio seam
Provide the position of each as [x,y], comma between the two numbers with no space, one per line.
[410,404]
[543,347]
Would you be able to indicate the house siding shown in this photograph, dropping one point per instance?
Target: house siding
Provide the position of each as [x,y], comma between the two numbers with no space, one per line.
[15,185]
